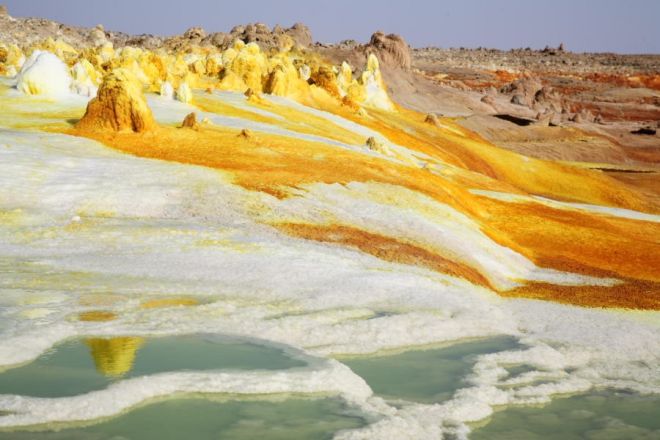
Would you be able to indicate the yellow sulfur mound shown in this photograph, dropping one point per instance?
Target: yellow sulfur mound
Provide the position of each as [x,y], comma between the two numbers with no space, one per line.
[375,92]
[119,106]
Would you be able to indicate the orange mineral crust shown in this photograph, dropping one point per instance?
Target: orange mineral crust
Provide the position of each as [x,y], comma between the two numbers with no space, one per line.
[572,241]
[576,241]
[385,248]
[630,294]
[336,129]
[274,164]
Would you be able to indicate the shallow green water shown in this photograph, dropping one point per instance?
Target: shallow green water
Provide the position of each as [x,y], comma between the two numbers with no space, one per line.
[606,415]
[425,376]
[80,366]
[204,419]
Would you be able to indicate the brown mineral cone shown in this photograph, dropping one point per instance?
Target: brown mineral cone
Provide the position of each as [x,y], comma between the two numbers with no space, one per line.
[246,134]
[373,143]
[119,106]
[190,121]
[432,119]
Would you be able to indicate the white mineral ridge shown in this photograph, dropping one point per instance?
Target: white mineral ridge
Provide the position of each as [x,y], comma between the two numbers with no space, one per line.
[183,93]
[166,90]
[44,74]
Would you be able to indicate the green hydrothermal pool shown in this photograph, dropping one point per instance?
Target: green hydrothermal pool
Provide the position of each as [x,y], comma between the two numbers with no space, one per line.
[84,365]
[207,419]
[425,376]
[603,415]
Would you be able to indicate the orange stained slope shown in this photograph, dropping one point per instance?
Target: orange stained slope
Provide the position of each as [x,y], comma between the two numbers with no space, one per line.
[533,176]
[292,119]
[385,248]
[561,239]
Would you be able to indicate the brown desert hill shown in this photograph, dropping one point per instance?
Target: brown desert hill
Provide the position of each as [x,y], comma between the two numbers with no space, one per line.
[119,105]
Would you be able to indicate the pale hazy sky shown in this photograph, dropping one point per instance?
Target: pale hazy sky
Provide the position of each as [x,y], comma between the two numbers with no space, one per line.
[629,26]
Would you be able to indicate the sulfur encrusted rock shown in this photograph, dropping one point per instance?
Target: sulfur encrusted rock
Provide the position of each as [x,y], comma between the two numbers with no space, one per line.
[119,106]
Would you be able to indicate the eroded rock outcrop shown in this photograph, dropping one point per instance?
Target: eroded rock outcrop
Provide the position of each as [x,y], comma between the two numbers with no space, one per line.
[392,50]
[523,90]
[119,106]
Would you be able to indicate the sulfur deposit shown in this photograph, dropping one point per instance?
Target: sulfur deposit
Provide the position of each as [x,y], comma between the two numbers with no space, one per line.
[374,91]
[325,200]
[183,93]
[119,106]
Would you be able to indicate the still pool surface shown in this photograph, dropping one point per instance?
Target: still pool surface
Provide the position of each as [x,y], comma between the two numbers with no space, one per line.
[84,365]
[604,415]
[425,376]
[205,419]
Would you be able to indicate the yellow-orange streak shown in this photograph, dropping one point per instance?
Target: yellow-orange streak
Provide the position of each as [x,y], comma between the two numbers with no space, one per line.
[575,241]
[385,248]
[471,152]
[168,302]
[274,164]
[97,316]
[630,295]
[292,119]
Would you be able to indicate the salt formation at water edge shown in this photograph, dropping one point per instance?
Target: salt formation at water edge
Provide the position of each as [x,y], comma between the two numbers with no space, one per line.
[119,106]
[44,74]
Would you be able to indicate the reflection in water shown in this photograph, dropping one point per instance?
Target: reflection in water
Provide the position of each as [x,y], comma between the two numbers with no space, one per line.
[114,356]
[79,366]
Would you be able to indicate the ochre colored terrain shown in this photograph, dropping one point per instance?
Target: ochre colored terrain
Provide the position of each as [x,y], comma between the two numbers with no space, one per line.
[330,125]
[566,240]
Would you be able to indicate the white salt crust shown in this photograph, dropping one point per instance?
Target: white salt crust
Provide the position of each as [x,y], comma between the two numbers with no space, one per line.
[86,221]
[44,74]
